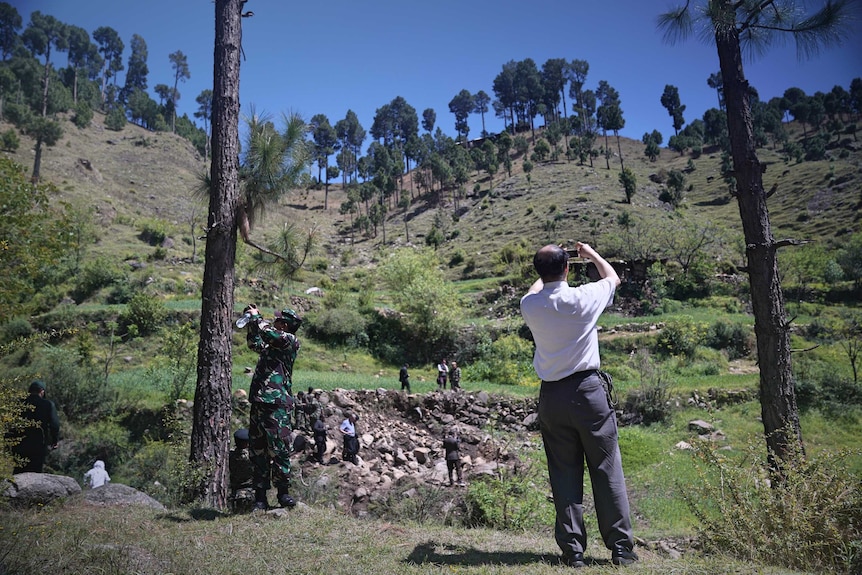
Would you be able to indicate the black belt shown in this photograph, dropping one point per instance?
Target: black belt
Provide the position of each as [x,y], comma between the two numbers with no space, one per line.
[578,375]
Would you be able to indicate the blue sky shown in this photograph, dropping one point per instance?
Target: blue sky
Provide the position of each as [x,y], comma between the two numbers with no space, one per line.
[329,56]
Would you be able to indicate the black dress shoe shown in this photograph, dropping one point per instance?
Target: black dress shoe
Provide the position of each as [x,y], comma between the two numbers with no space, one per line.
[621,555]
[575,560]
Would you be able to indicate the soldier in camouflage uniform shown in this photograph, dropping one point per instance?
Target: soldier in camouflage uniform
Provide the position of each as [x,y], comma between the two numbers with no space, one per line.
[300,413]
[272,402]
[241,474]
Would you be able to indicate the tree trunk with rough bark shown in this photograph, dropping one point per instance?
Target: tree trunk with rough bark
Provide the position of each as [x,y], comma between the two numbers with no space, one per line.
[210,440]
[777,395]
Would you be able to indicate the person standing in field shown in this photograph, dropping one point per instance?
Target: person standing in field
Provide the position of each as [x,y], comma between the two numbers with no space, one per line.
[576,418]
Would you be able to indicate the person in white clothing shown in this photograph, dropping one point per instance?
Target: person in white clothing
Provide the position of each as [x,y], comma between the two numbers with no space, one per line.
[576,418]
[97,476]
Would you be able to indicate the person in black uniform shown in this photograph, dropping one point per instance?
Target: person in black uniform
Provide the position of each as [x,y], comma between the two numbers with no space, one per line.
[39,437]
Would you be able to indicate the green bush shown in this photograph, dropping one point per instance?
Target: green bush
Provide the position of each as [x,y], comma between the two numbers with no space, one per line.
[649,402]
[154,232]
[736,339]
[16,328]
[115,120]
[680,337]
[83,114]
[508,360]
[810,520]
[9,140]
[95,275]
[339,326]
[144,314]
[515,500]
[77,387]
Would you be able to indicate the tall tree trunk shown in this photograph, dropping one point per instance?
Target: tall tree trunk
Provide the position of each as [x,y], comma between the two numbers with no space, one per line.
[212,407]
[37,162]
[619,149]
[777,397]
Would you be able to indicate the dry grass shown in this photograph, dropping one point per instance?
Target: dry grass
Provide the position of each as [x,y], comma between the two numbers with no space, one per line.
[79,538]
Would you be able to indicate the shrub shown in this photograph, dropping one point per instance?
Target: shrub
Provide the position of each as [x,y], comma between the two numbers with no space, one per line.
[9,140]
[144,314]
[680,337]
[153,232]
[339,326]
[512,500]
[736,339]
[77,387]
[83,114]
[650,401]
[507,361]
[15,328]
[115,120]
[811,520]
[93,276]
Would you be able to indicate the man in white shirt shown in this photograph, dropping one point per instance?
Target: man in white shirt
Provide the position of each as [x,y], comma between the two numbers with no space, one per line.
[576,418]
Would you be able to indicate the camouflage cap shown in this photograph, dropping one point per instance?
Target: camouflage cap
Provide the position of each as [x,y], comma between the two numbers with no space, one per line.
[290,316]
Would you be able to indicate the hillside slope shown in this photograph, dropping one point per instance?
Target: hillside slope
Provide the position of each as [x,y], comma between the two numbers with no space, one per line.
[135,175]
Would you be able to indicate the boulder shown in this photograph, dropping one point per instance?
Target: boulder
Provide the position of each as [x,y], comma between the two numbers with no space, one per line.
[38,488]
[119,494]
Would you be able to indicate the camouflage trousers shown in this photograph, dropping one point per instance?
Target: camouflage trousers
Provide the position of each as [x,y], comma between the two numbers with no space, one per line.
[242,500]
[269,436]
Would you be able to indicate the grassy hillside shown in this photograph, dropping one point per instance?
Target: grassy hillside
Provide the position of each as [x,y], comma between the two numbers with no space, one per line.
[133,176]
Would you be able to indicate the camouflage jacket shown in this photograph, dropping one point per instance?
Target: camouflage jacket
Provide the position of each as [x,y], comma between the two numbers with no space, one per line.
[273,375]
[241,469]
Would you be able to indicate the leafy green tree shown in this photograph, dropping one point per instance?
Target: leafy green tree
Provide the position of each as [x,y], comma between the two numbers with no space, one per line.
[351,134]
[32,240]
[480,106]
[629,182]
[610,117]
[670,101]
[461,106]
[653,142]
[325,144]
[504,90]
[111,48]
[136,76]
[576,73]
[429,118]
[205,113]
[529,91]
[10,23]
[430,303]
[541,150]
[43,34]
[504,145]
[732,24]
[180,65]
[115,120]
[850,259]
[554,81]
[81,50]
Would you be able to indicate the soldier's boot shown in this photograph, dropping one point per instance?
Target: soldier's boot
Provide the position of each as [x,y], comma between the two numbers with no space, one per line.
[260,503]
[286,500]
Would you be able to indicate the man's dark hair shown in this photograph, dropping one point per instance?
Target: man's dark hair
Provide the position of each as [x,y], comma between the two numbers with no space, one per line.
[551,262]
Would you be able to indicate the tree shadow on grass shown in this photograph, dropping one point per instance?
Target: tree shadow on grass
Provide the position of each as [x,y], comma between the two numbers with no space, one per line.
[443,554]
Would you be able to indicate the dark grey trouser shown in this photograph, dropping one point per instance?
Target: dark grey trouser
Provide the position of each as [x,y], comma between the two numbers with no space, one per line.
[578,423]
